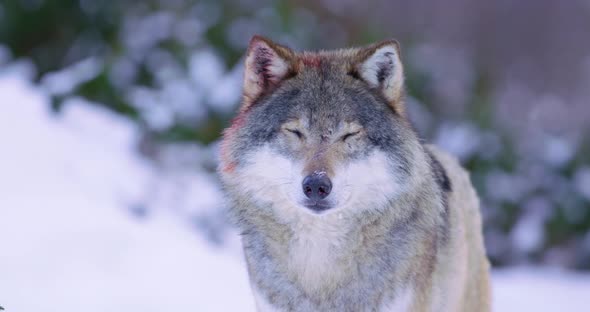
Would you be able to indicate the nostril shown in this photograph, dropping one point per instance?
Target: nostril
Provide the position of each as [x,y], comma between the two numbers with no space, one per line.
[317,186]
[325,187]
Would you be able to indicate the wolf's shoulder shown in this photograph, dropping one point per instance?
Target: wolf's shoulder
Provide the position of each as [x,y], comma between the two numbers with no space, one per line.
[462,196]
[450,163]
[459,177]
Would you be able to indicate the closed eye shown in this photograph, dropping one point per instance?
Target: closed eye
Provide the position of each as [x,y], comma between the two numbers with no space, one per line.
[349,135]
[296,132]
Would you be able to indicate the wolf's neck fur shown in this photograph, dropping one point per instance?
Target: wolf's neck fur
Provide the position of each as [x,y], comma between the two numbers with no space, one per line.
[319,256]
[319,251]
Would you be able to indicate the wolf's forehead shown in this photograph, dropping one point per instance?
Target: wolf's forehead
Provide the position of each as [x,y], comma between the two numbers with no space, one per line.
[325,101]
[327,105]
[329,64]
[323,93]
[338,57]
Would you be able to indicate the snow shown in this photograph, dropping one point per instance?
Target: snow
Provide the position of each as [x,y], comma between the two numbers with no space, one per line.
[540,289]
[66,80]
[69,242]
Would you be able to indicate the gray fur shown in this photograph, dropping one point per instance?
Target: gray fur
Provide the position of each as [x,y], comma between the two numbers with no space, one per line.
[417,242]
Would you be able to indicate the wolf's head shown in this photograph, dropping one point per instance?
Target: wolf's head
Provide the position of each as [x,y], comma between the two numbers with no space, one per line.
[320,132]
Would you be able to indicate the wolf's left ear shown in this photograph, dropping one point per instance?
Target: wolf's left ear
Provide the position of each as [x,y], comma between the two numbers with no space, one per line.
[267,64]
[381,67]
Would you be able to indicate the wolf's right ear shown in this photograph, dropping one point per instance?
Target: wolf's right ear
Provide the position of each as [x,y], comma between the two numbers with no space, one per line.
[267,64]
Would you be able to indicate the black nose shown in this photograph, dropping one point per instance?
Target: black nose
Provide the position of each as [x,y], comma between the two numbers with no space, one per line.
[317,186]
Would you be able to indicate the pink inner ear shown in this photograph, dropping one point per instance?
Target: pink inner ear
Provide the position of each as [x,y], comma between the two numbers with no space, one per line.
[263,58]
[265,68]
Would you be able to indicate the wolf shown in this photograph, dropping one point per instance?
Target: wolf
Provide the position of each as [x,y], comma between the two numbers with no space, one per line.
[340,205]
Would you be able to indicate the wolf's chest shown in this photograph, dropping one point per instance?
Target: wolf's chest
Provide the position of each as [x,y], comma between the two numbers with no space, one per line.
[317,258]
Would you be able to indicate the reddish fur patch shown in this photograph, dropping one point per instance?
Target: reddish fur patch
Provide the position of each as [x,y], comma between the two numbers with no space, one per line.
[229,164]
[229,167]
[312,60]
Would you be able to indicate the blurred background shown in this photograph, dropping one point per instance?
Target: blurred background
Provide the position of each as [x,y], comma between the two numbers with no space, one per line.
[120,104]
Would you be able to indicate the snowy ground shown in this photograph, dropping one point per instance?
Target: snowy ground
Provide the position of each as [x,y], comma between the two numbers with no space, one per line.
[68,241]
